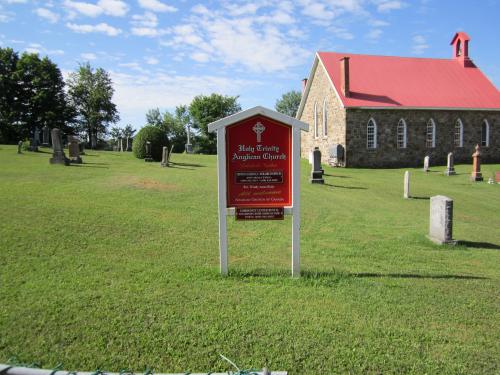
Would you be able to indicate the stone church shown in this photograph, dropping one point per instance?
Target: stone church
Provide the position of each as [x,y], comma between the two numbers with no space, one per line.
[387,111]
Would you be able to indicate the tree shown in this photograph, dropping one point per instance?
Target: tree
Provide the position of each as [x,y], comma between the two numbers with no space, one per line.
[9,108]
[91,93]
[206,109]
[116,132]
[32,95]
[154,118]
[289,103]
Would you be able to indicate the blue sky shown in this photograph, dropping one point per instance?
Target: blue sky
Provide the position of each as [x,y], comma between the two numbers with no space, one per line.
[162,53]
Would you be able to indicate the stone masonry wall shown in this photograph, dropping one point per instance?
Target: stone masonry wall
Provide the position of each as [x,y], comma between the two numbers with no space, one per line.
[388,155]
[321,89]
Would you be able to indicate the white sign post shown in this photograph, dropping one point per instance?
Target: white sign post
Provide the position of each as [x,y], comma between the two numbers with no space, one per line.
[281,120]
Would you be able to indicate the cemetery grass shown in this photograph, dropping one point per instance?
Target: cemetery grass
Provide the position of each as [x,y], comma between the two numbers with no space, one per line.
[113,264]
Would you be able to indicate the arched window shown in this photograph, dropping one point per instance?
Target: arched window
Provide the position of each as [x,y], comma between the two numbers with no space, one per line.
[485,134]
[401,133]
[459,134]
[459,48]
[430,139]
[371,134]
[325,119]
[315,120]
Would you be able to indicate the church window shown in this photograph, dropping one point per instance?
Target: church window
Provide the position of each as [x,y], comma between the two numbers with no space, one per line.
[485,134]
[371,134]
[325,119]
[459,133]
[401,134]
[430,140]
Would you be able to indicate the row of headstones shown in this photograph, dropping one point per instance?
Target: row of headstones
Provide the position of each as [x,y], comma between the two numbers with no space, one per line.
[35,140]
[450,165]
[165,158]
[121,146]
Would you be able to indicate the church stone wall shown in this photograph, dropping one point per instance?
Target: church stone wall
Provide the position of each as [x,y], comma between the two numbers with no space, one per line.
[336,116]
[388,155]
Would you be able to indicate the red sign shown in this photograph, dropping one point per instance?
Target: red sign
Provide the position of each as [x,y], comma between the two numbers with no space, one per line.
[260,213]
[259,163]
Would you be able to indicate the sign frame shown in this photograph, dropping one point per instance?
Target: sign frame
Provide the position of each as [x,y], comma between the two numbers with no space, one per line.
[220,128]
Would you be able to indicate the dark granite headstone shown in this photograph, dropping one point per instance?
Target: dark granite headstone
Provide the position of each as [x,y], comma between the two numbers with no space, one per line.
[317,172]
[58,156]
[74,150]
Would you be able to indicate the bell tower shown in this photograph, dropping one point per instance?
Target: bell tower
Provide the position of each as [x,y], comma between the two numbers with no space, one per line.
[460,43]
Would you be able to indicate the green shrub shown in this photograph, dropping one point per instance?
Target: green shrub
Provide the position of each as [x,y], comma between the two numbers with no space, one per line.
[26,145]
[156,136]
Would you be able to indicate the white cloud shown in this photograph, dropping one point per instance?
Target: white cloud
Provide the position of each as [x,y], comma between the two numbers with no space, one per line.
[388,5]
[419,45]
[116,8]
[87,9]
[152,60]
[256,43]
[38,48]
[200,9]
[103,28]
[341,33]
[374,34]
[16,1]
[47,14]
[147,31]
[147,19]
[156,6]
[89,56]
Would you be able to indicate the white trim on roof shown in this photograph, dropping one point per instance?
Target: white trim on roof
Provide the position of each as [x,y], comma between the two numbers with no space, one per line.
[280,117]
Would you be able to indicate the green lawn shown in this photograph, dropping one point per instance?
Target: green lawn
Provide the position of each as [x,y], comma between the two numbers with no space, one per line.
[114,264]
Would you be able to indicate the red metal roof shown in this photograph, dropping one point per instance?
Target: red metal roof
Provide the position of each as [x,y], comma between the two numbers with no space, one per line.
[388,81]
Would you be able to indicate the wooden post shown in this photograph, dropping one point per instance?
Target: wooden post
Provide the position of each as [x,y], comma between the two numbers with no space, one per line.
[221,174]
[296,202]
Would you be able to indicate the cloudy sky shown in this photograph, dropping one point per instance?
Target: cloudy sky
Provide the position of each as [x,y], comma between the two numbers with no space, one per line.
[162,53]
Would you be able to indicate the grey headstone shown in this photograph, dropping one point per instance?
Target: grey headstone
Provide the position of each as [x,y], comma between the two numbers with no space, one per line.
[427,161]
[450,166]
[317,172]
[19,147]
[148,157]
[46,136]
[441,220]
[406,193]
[164,157]
[58,156]
[74,149]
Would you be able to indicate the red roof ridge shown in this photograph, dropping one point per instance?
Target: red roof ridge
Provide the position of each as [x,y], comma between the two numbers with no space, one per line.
[389,56]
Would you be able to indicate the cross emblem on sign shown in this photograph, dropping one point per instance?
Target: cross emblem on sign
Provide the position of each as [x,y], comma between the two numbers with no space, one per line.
[258,128]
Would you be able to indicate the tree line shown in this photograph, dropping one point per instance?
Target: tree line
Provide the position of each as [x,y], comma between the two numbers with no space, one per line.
[33,94]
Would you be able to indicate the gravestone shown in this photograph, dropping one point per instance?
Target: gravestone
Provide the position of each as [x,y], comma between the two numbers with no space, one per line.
[170,154]
[406,193]
[164,157]
[336,156]
[317,172]
[74,150]
[19,147]
[45,136]
[450,166]
[497,177]
[148,157]
[58,156]
[427,161]
[189,146]
[441,220]
[476,166]
[121,145]
[82,148]
[35,140]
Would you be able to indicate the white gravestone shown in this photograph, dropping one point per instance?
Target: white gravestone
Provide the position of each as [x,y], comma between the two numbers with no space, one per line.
[450,166]
[406,193]
[426,163]
[441,220]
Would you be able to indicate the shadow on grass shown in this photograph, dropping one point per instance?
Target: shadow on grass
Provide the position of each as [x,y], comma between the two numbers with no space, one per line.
[328,277]
[86,165]
[332,175]
[346,187]
[427,198]
[187,165]
[479,245]
[417,276]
